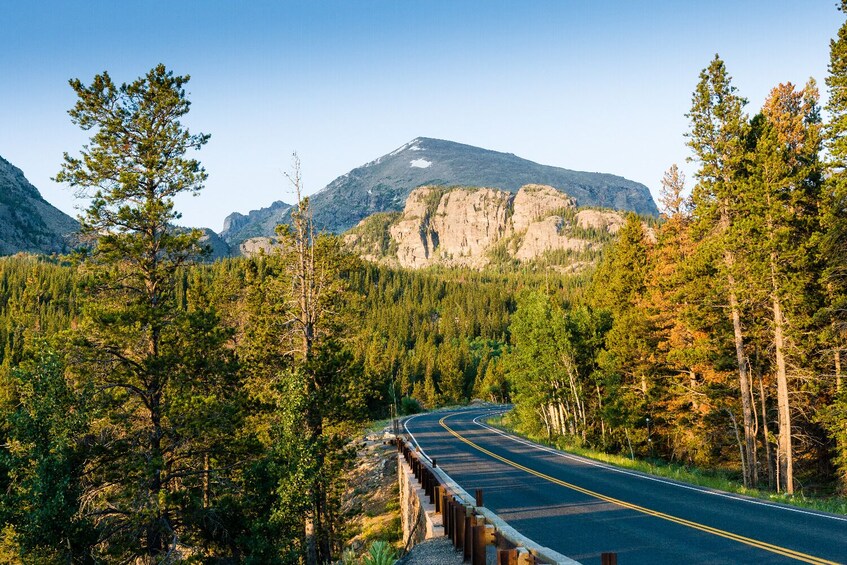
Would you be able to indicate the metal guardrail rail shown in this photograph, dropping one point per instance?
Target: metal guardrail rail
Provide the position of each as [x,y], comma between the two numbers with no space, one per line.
[472,527]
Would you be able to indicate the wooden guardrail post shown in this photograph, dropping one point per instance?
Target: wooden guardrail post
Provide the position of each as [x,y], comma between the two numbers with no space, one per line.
[478,545]
[451,511]
[470,522]
[507,557]
[608,559]
[446,515]
[458,526]
[479,497]
[437,496]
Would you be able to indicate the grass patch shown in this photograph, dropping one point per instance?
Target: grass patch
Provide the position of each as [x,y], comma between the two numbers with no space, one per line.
[377,426]
[709,478]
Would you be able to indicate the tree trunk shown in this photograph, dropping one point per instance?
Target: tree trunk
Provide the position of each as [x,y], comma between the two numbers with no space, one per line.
[600,411]
[785,454]
[311,542]
[579,411]
[837,370]
[740,443]
[692,384]
[748,463]
[206,481]
[546,421]
[766,433]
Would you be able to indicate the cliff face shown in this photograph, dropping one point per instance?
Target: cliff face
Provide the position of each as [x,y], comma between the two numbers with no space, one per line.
[456,227]
[473,227]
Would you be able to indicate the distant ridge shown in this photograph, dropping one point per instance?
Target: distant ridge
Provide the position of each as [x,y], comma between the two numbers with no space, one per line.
[384,184]
[28,223]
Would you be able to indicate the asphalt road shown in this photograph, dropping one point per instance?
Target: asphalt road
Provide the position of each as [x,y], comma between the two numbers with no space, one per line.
[582,508]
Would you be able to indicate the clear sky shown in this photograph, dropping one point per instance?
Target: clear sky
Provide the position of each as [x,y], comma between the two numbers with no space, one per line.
[594,85]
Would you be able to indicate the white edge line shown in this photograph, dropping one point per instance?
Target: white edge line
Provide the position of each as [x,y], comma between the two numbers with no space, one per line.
[644,476]
[414,439]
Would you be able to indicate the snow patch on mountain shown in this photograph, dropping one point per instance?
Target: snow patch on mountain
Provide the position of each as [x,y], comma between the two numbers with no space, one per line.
[420,163]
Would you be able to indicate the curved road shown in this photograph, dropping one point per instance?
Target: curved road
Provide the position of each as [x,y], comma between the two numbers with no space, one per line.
[581,508]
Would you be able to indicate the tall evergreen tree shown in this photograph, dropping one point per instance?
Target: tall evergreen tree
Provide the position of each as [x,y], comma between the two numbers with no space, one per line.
[680,348]
[627,359]
[835,239]
[718,139]
[131,345]
[781,230]
[319,305]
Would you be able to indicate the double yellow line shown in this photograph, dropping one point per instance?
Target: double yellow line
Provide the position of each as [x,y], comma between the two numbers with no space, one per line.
[703,528]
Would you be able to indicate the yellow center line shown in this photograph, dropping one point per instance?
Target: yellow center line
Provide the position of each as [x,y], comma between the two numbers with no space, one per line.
[703,528]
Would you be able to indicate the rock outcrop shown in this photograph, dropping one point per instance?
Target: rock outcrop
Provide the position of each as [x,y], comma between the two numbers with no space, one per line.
[473,227]
[600,220]
[256,246]
[537,201]
[545,235]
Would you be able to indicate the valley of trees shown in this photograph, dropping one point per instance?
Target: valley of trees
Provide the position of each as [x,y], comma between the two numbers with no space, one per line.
[158,409]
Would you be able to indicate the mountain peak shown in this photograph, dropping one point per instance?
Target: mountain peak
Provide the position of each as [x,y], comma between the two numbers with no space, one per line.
[383,185]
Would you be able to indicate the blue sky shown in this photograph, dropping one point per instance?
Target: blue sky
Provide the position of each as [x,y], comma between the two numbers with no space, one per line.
[596,85]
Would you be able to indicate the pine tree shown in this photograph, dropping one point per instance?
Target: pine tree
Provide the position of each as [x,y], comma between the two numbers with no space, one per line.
[320,307]
[718,139]
[781,230]
[131,343]
[835,239]
[681,350]
[627,359]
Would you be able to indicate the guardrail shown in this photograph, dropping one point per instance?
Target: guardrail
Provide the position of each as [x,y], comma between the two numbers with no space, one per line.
[472,527]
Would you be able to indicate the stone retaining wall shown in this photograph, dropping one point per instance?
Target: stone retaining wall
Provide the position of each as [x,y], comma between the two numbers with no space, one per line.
[418,516]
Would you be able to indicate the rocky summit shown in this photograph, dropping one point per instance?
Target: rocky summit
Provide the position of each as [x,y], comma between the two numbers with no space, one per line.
[239,228]
[383,185]
[28,222]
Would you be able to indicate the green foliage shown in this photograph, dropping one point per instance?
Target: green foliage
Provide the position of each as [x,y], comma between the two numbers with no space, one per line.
[732,282]
[409,406]
[44,462]
[834,219]
[379,553]
[374,236]
[38,298]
